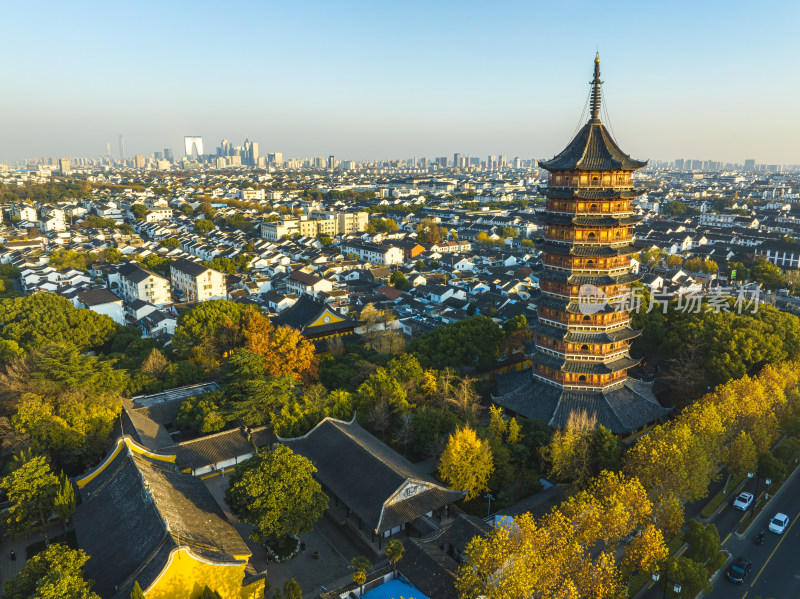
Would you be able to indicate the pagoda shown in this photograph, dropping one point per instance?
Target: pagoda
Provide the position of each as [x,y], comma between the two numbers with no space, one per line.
[581,341]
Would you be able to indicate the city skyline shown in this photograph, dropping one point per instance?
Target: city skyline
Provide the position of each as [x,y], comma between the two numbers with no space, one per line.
[704,82]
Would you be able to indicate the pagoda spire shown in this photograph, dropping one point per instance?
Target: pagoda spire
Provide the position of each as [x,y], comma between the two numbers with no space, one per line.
[596,94]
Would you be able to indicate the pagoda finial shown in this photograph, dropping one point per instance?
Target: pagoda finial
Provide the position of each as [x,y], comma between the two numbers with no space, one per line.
[596,97]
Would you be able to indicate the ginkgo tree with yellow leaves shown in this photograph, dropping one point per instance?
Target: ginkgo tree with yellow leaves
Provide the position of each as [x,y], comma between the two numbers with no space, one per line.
[466,463]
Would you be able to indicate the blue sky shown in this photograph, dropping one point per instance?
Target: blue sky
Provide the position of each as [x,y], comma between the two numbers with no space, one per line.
[363,80]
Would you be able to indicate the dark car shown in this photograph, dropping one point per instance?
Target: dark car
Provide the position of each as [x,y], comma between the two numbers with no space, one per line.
[739,570]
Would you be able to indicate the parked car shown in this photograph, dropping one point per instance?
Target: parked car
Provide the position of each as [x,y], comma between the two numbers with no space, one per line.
[743,501]
[779,523]
[739,570]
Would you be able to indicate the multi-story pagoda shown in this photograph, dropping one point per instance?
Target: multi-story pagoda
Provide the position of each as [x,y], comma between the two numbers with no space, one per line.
[581,358]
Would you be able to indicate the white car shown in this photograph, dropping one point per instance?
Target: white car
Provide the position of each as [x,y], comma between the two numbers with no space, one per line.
[779,523]
[743,501]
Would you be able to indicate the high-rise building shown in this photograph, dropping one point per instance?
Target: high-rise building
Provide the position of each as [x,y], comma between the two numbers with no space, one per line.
[122,149]
[108,151]
[581,358]
[168,154]
[750,165]
[64,165]
[139,161]
[275,158]
[331,162]
[225,148]
[457,161]
[679,164]
[193,145]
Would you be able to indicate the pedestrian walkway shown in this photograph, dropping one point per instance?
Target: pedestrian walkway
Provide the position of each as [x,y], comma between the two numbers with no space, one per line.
[10,568]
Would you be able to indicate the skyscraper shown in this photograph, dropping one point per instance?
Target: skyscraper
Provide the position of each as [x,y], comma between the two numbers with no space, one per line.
[121,148]
[168,154]
[581,358]
[750,165]
[193,145]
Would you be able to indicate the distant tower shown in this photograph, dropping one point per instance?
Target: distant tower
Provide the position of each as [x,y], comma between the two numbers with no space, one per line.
[121,148]
[193,145]
[108,150]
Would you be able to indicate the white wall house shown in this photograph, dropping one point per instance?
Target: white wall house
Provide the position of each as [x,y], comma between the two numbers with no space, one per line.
[137,283]
[197,282]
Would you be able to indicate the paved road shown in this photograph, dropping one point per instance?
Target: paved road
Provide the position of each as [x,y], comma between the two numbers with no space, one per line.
[776,563]
[776,567]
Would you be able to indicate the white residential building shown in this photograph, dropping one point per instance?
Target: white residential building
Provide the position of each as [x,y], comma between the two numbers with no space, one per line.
[197,282]
[137,283]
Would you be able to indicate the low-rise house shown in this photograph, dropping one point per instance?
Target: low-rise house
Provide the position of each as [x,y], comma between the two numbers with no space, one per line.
[103,301]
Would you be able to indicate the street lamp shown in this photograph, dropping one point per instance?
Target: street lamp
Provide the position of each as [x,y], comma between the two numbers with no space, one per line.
[675,586]
[767,481]
[489,496]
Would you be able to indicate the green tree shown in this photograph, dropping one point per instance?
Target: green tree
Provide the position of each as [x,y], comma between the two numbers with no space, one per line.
[67,402]
[766,273]
[276,492]
[64,502]
[394,552]
[203,226]
[693,265]
[360,566]
[209,593]
[139,211]
[292,590]
[170,242]
[606,450]
[771,467]
[31,489]
[202,414]
[703,540]
[45,318]
[399,280]
[55,573]
[472,342]
[263,397]
[788,451]
[208,330]
[137,593]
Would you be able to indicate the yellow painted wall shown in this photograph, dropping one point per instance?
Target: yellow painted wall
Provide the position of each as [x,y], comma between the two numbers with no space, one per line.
[321,320]
[186,576]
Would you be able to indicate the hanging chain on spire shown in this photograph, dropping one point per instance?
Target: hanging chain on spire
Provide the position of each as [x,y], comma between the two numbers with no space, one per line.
[596,97]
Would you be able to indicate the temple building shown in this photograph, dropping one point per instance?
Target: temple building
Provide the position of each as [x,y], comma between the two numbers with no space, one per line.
[583,334]
[141,520]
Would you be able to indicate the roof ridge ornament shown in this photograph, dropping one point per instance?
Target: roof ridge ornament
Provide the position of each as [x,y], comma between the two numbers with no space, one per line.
[596,93]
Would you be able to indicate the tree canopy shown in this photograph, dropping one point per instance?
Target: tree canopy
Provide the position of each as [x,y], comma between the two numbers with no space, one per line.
[55,573]
[276,492]
[43,318]
[472,342]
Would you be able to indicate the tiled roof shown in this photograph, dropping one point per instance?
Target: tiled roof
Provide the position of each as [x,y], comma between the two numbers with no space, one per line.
[364,473]
[592,148]
[622,409]
[136,511]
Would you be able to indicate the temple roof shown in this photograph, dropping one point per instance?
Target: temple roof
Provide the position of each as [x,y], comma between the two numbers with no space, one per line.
[136,510]
[623,334]
[621,409]
[574,307]
[381,487]
[588,279]
[568,193]
[584,366]
[593,148]
[587,250]
[587,220]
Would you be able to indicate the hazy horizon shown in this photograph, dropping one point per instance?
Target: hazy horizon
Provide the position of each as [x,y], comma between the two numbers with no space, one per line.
[367,81]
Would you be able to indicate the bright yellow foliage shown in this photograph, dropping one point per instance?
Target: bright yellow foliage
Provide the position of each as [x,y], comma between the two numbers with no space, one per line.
[467,463]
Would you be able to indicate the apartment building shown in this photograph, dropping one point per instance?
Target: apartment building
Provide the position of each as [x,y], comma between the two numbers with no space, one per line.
[373,252]
[136,282]
[197,282]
